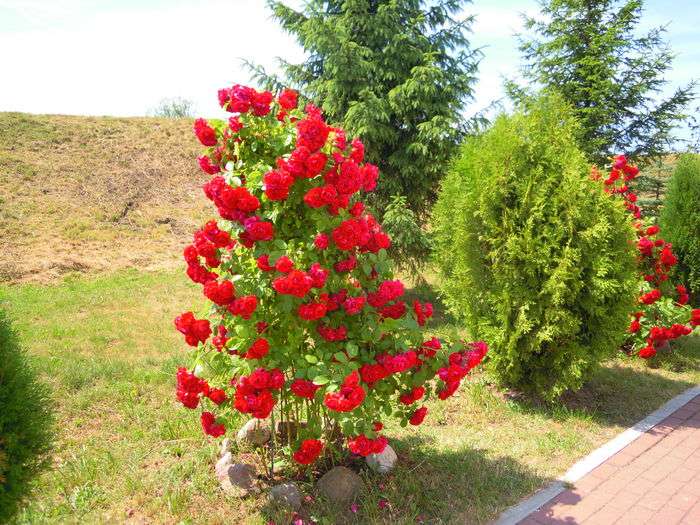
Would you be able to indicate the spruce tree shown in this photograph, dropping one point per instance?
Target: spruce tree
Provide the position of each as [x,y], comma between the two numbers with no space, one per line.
[589,51]
[396,72]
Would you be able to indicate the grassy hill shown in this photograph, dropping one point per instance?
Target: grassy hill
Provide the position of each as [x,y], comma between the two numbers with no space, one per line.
[91,194]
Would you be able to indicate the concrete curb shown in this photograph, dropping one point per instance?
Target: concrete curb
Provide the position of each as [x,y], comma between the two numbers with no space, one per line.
[523,509]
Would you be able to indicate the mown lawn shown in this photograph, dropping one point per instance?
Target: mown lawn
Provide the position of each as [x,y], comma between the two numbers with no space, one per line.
[126,452]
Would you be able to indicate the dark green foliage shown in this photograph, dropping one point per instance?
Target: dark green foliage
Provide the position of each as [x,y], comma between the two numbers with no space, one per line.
[25,423]
[651,186]
[589,52]
[410,243]
[535,258]
[680,221]
[397,73]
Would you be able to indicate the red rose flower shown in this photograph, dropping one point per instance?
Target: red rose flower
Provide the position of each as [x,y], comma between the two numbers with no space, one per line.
[217,395]
[277,184]
[195,330]
[312,311]
[210,426]
[348,397]
[189,388]
[206,165]
[647,352]
[296,283]
[219,293]
[205,133]
[695,317]
[321,241]
[418,416]
[363,446]
[258,349]
[412,396]
[308,451]
[263,263]
[288,99]
[304,388]
[244,306]
[651,297]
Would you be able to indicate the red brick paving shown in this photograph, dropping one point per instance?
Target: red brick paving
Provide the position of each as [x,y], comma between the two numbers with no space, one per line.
[655,480]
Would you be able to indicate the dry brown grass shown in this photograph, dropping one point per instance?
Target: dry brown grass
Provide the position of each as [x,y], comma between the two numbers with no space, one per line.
[90,194]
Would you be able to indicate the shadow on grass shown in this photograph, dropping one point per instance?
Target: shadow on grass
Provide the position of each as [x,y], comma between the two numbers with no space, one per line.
[427,292]
[616,395]
[25,423]
[429,486]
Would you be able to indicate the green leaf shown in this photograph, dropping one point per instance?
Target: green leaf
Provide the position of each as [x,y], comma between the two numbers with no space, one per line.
[321,380]
[352,349]
[311,359]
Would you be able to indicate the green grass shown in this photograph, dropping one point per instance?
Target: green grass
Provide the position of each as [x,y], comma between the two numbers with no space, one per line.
[126,451]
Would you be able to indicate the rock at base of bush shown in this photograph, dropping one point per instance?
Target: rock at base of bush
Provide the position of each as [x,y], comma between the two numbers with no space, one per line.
[254,432]
[236,478]
[383,462]
[222,466]
[287,494]
[340,485]
[225,447]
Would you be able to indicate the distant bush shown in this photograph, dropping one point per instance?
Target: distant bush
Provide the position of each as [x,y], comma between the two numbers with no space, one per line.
[410,244]
[25,423]
[534,256]
[680,221]
[173,108]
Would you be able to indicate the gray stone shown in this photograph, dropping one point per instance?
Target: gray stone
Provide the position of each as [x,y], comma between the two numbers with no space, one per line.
[287,494]
[254,432]
[225,447]
[222,466]
[240,479]
[383,462]
[340,485]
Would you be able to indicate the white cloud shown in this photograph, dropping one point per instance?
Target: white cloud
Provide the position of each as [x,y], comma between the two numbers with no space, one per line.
[122,62]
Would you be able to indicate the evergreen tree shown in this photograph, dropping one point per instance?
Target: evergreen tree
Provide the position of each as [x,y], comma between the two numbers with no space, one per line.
[398,73]
[588,51]
[680,221]
[651,185]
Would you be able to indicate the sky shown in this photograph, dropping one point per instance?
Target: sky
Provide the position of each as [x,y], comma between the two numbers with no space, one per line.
[121,57]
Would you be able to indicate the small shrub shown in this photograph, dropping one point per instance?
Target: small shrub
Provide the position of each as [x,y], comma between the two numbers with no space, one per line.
[680,221]
[173,108]
[534,256]
[25,423]
[410,244]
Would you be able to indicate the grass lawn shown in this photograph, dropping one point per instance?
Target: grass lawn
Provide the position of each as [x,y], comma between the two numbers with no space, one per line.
[127,452]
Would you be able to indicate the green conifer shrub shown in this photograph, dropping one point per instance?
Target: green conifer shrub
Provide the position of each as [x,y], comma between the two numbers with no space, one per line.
[680,221]
[534,256]
[25,423]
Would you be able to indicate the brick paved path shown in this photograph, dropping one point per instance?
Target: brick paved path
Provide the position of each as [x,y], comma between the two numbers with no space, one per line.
[655,479]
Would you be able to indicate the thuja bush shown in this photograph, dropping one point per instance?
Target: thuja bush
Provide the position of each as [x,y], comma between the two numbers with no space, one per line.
[680,220]
[25,423]
[662,312]
[307,325]
[533,255]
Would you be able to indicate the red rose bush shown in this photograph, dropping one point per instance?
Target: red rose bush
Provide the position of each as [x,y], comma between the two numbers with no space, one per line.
[663,314]
[307,324]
